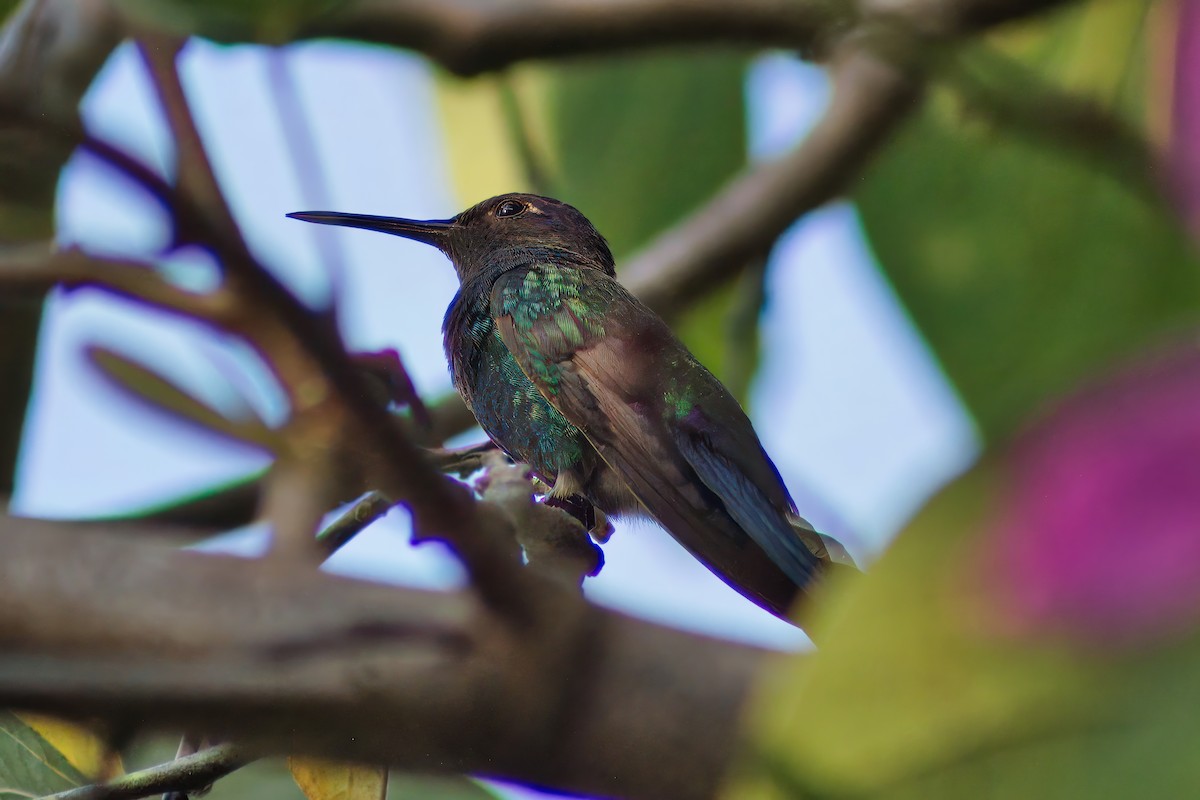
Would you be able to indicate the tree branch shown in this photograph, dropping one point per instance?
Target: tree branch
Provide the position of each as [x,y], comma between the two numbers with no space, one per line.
[870,97]
[352,522]
[469,36]
[284,660]
[185,774]
[194,176]
[49,52]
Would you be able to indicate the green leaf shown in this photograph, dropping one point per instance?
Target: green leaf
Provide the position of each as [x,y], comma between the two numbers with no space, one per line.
[80,745]
[902,683]
[636,143]
[29,765]
[639,142]
[1026,265]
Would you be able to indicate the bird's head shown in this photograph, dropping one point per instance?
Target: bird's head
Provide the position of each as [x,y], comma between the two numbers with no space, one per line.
[503,231]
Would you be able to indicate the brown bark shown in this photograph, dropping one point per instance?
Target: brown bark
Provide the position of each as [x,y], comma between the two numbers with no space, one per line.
[285,660]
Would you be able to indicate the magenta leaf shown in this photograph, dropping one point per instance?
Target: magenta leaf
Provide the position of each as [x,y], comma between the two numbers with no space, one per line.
[1099,536]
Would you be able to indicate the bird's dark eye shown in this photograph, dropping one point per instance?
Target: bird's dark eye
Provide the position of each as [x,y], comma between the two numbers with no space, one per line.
[509,208]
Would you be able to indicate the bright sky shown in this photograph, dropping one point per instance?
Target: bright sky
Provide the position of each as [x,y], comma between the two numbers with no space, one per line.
[848,401]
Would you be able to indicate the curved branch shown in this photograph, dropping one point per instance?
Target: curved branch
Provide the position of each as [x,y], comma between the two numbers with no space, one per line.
[743,221]
[469,37]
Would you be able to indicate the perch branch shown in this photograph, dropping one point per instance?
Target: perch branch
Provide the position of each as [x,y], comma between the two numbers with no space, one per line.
[186,774]
[283,660]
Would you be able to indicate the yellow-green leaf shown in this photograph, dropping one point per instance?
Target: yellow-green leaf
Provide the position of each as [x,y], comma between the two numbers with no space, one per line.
[331,780]
[86,751]
[29,765]
[1034,632]
[484,152]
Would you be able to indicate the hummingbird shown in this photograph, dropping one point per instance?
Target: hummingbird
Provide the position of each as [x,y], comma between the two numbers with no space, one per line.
[568,372]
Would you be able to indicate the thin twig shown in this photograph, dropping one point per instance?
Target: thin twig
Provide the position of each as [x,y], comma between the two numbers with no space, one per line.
[188,773]
[351,522]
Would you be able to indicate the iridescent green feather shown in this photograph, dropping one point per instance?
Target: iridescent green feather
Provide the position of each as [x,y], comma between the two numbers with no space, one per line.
[551,314]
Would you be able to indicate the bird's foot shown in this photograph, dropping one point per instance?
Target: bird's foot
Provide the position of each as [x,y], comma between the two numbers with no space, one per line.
[591,518]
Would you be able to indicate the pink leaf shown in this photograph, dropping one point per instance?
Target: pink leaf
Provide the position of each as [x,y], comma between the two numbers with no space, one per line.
[1100,532]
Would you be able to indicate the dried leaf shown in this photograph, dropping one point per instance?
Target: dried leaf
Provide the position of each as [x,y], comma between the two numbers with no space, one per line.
[331,780]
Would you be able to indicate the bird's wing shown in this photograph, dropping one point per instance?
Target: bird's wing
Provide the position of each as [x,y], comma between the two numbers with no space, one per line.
[606,362]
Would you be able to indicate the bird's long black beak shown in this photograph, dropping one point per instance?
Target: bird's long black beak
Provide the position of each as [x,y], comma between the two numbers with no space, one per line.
[432,231]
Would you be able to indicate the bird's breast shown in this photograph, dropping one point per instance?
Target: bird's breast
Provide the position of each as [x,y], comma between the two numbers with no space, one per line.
[505,402]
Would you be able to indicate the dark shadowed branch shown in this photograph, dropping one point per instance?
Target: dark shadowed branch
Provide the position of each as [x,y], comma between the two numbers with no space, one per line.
[49,52]
[469,37]
[194,176]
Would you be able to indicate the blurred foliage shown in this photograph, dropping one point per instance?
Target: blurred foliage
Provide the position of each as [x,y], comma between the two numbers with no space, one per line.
[591,133]
[999,653]
[29,765]
[407,786]
[918,693]
[1031,633]
[1025,266]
